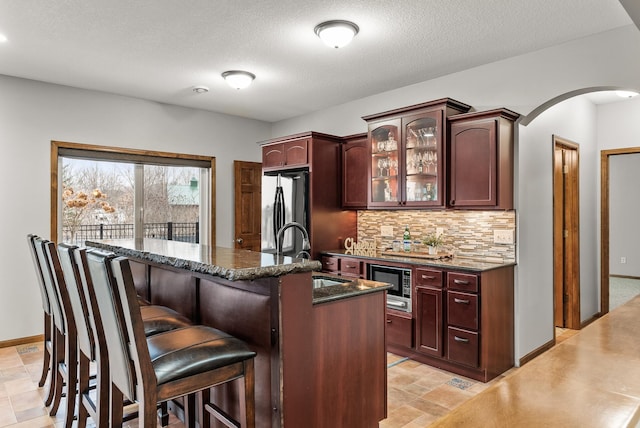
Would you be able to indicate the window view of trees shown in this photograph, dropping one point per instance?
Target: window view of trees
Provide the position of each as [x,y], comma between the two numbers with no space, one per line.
[99,199]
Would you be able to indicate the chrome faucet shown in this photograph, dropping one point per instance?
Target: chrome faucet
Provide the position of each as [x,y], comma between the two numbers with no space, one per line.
[305,239]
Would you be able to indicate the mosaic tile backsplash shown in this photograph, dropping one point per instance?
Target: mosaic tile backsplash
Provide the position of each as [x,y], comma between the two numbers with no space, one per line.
[466,233]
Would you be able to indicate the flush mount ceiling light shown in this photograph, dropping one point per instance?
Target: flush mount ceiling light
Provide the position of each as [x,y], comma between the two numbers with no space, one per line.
[238,79]
[626,94]
[200,89]
[336,34]
[3,38]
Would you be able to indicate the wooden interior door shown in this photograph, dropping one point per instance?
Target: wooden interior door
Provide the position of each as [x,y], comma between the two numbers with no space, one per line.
[566,237]
[248,204]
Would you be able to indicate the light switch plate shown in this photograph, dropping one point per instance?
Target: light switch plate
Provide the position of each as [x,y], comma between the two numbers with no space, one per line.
[386,231]
[504,236]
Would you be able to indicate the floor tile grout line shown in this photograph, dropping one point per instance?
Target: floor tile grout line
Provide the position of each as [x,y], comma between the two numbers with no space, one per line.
[395,363]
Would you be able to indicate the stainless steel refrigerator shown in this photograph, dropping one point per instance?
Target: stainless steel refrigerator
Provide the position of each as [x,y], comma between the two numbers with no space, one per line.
[285,198]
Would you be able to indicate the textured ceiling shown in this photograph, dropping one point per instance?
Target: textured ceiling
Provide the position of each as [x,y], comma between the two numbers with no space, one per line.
[159,49]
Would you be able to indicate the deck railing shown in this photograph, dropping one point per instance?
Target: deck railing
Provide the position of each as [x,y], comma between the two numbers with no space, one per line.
[172,231]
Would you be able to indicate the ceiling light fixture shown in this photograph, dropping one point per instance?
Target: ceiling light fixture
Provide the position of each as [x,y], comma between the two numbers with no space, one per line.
[200,89]
[238,79]
[337,33]
[3,38]
[626,94]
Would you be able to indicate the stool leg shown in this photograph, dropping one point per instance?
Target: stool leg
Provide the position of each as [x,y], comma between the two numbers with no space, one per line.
[57,378]
[46,363]
[249,401]
[163,414]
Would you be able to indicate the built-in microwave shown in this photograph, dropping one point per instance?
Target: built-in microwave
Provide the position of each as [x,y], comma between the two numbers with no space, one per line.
[399,295]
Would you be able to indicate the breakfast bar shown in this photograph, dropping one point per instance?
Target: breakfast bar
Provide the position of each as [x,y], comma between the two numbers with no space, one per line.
[320,339]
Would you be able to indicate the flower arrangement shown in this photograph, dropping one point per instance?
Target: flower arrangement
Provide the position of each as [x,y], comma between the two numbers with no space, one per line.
[433,240]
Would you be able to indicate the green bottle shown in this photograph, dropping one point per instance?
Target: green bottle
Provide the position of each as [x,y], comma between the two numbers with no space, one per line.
[406,239]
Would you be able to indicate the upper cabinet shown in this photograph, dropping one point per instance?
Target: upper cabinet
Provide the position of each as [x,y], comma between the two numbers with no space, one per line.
[481,160]
[285,154]
[355,155]
[407,152]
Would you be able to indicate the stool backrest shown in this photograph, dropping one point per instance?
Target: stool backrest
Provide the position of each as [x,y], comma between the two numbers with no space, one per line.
[46,306]
[102,286]
[77,298]
[60,286]
[48,276]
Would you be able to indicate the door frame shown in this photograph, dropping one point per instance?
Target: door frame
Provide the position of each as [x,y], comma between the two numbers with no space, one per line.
[604,222]
[569,237]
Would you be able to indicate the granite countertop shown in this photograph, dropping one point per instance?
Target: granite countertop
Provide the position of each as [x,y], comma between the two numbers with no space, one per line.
[459,263]
[347,287]
[227,263]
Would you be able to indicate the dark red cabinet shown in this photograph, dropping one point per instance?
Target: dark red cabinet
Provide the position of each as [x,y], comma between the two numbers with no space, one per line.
[481,159]
[355,155]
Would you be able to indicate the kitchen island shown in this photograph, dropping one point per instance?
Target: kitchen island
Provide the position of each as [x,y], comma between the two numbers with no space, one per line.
[321,358]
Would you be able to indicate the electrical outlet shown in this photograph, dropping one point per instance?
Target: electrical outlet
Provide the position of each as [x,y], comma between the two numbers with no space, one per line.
[439,231]
[386,231]
[623,260]
[505,236]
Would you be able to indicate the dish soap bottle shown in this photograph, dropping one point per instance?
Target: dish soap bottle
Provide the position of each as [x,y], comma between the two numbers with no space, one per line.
[406,239]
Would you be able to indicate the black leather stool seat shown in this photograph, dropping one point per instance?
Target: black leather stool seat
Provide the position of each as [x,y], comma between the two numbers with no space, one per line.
[189,351]
[158,319]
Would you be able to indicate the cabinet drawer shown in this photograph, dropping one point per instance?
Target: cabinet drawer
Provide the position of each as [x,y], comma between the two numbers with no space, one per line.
[462,347]
[462,310]
[330,264]
[350,267]
[462,282]
[399,330]
[428,278]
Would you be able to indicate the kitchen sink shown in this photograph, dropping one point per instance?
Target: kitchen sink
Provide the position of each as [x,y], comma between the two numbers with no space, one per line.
[320,281]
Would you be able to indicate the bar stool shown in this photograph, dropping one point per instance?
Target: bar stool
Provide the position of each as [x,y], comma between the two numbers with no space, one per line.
[48,320]
[168,365]
[64,335]
[92,347]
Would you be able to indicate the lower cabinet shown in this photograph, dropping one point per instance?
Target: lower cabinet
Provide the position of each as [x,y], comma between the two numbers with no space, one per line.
[399,328]
[463,321]
[345,266]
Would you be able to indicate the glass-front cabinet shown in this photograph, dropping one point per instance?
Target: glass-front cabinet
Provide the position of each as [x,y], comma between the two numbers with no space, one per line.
[408,155]
[386,163]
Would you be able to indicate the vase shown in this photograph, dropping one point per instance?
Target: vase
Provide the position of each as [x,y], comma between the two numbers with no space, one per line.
[433,250]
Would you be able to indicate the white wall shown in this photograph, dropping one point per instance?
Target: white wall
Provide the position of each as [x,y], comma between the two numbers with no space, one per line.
[619,127]
[624,206]
[574,120]
[32,114]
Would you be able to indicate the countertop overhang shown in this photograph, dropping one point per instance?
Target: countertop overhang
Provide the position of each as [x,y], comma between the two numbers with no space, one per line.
[228,263]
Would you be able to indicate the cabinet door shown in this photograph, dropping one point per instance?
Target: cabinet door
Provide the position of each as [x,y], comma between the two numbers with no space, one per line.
[296,152]
[384,139]
[272,155]
[355,155]
[423,156]
[474,164]
[429,321]
[400,329]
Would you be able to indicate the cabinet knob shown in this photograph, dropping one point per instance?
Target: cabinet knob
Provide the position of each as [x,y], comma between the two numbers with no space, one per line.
[239,240]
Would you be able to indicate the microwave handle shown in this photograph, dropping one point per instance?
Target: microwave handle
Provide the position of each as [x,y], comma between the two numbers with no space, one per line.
[397,304]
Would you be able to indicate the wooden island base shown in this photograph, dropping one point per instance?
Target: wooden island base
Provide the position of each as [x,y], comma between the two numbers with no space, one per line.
[318,364]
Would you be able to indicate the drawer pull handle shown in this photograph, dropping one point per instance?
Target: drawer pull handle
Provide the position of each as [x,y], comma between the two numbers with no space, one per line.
[349,266]
[460,339]
[428,277]
[388,321]
[465,301]
[460,282]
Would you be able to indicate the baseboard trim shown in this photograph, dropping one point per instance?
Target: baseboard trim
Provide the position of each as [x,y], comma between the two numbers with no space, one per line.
[585,323]
[21,341]
[625,276]
[538,351]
